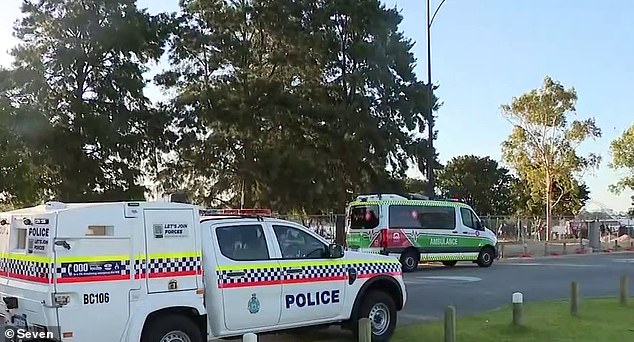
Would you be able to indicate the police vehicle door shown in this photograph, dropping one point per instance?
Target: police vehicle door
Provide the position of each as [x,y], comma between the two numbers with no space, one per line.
[92,271]
[249,278]
[313,286]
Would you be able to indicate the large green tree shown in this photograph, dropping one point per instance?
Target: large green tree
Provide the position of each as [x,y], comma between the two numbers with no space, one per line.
[78,88]
[480,181]
[542,146]
[321,101]
[622,150]
[20,177]
[570,201]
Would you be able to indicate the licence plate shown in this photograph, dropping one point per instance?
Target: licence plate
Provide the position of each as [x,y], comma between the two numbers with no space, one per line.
[19,322]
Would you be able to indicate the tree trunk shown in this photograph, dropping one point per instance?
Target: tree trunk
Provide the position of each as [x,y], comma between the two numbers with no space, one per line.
[549,201]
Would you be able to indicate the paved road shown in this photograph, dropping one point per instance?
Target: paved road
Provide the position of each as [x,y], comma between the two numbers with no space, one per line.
[472,289]
[486,289]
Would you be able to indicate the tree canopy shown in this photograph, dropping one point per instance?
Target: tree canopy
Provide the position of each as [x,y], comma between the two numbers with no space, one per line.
[542,147]
[530,204]
[294,114]
[75,104]
[481,182]
[299,113]
[323,101]
[622,150]
[20,174]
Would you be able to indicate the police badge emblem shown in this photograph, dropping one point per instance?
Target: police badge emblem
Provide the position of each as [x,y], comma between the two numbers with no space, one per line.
[254,304]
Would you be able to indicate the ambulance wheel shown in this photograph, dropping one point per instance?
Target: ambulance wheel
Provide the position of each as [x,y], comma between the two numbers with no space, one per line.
[380,308]
[450,263]
[486,256]
[409,260]
[172,328]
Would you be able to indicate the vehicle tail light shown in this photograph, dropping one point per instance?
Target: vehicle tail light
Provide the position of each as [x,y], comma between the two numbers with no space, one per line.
[384,237]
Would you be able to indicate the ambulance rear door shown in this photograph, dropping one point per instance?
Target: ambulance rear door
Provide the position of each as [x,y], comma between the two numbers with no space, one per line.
[93,275]
[363,227]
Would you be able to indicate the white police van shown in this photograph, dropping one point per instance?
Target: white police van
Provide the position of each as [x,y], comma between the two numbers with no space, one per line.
[155,272]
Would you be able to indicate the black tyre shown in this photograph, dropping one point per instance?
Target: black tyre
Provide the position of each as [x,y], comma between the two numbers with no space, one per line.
[450,263]
[380,308]
[172,328]
[485,259]
[409,260]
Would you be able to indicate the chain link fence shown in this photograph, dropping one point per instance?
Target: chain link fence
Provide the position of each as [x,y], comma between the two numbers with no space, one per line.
[507,228]
[562,228]
[324,225]
[513,228]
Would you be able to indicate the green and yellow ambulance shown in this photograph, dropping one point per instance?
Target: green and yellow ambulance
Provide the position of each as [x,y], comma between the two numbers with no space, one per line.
[419,230]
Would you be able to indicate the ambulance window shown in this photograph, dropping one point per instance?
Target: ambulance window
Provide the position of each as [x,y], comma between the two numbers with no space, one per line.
[467,218]
[364,217]
[298,244]
[243,243]
[422,217]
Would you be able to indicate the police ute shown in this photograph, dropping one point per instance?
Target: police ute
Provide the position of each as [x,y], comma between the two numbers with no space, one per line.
[162,272]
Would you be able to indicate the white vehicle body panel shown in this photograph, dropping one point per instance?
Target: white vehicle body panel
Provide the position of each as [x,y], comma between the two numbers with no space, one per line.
[71,265]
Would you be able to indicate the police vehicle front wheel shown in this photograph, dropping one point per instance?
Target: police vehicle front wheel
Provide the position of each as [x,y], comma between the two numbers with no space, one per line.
[172,328]
[380,309]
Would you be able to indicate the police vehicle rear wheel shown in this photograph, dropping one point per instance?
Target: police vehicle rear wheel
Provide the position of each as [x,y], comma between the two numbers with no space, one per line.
[173,328]
[410,259]
[485,259]
[379,307]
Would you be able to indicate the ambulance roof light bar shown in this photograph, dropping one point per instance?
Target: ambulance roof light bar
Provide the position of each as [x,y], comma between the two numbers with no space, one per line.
[417,196]
[380,196]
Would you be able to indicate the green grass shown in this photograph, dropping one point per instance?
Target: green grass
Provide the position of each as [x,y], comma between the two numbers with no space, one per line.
[598,320]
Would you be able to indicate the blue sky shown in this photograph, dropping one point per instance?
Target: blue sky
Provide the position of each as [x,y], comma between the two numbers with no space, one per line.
[485,52]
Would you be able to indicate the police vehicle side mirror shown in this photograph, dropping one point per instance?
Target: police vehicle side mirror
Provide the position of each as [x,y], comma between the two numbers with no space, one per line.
[335,251]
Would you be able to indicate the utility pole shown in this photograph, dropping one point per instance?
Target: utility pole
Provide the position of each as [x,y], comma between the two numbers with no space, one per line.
[430,113]
[431,178]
